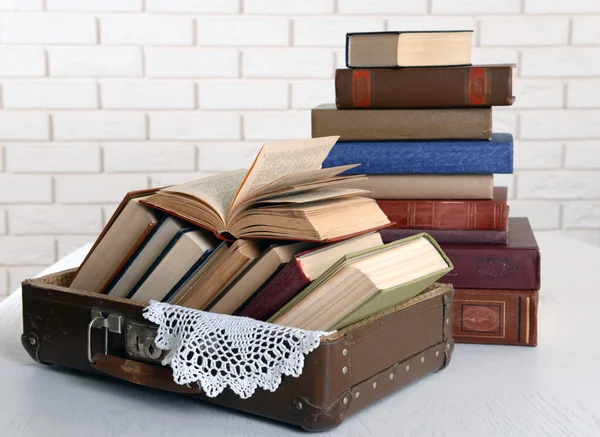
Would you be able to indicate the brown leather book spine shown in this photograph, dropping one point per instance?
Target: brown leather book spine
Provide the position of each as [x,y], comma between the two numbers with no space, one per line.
[484,215]
[439,87]
[496,316]
[402,124]
[290,281]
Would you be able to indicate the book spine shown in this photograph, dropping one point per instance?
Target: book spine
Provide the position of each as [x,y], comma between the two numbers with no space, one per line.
[290,281]
[403,124]
[499,268]
[496,317]
[423,87]
[461,215]
[447,236]
[424,157]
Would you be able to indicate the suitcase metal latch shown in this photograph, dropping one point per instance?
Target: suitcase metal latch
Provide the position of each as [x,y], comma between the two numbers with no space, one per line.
[110,323]
[140,345]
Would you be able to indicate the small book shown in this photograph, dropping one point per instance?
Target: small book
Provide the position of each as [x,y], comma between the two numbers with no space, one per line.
[201,289]
[430,87]
[464,157]
[426,186]
[256,275]
[127,229]
[442,236]
[145,256]
[285,195]
[187,247]
[301,271]
[364,283]
[402,124]
[408,49]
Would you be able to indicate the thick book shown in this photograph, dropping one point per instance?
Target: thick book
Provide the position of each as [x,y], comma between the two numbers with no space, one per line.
[408,49]
[256,275]
[426,157]
[433,87]
[145,256]
[484,215]
[304,268]
[286,195]
[511,266]
[448,235]
[364,283]
[402,124]
[426,186]
[187,247]
[125,232]
[496,316]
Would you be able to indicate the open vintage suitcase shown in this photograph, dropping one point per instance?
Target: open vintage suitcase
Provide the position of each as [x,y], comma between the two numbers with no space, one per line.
[350,370]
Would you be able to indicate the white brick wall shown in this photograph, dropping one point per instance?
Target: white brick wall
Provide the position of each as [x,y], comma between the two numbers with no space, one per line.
[98,97]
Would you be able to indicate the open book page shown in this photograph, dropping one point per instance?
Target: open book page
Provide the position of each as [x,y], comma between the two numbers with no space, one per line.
[217,191]
[306,177]
[314,195]
[282,158]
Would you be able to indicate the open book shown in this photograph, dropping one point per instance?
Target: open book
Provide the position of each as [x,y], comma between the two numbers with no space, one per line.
[284,196]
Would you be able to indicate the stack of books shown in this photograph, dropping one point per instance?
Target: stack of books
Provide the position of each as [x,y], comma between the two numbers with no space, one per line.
[424,137]
[282,242]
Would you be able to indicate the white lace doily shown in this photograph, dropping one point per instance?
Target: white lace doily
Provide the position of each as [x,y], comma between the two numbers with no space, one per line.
[218,351]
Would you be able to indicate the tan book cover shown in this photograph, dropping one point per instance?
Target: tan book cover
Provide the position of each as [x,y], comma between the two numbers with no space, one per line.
[402,124]
[426,186]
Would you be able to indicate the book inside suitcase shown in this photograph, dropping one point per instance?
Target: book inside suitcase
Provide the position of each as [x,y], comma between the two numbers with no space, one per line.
[350,370]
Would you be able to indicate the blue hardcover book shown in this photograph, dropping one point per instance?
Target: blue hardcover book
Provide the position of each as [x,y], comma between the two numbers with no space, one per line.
[425,157]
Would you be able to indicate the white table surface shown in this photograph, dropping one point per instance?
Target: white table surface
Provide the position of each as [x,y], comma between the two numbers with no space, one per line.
[552,390]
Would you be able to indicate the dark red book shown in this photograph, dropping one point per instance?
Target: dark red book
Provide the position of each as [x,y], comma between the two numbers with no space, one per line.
[447,235]
[490,215]
[430,87]
[511,266]
[304,268]
[496,316]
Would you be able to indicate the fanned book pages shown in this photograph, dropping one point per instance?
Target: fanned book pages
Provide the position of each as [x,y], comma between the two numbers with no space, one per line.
[284,196]
[364,283]
[408,49]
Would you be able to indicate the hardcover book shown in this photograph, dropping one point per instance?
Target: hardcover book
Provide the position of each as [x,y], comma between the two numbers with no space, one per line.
[364,283]
[402,124]
[496,316]
[432,87]
[125,232]
[425,157]
[448,235]
[304,268]
[408,49]
[511,266]
[426,186]
[285,195]
[485,215]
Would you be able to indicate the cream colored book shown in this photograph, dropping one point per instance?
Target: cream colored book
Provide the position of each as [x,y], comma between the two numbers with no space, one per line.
[426,186]
[364,283]
[285,195]
[409,49]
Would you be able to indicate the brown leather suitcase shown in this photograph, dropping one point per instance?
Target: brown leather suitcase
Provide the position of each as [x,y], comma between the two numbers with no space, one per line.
[350,370]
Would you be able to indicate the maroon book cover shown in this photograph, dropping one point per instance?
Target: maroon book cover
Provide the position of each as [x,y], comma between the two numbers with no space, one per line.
[286,284]
[447,235]
[496,316]
[491,215]
[425,87]
[511,266]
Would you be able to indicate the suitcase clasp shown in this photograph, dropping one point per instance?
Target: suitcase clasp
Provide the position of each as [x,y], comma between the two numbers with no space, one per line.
[111,323]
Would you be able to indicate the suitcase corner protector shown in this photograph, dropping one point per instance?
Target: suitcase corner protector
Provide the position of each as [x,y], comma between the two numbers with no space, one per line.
[321,418]
[31,344]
